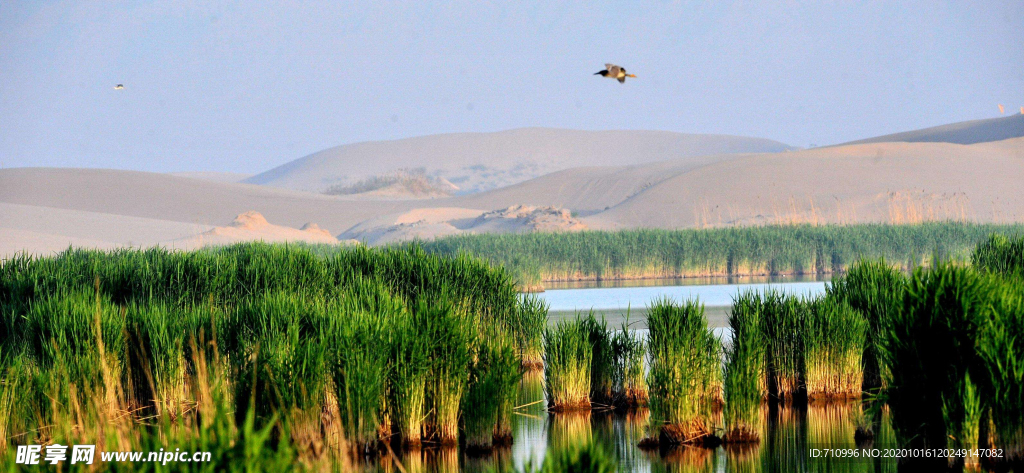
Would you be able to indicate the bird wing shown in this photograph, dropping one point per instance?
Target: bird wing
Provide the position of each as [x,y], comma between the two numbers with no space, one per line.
[613,70]
[622,80]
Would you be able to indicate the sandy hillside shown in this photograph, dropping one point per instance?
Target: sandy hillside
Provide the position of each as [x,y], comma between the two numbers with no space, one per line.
[44,210]
[430,223]
[882,182]
[965,133]
[252,226]
[481,161]
[213,176]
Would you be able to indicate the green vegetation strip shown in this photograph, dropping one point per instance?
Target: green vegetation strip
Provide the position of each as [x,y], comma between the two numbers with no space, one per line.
[269,356]
[739,251]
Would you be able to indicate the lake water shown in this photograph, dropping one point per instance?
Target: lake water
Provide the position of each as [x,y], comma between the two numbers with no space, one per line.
[788,435]
[787,439]
[614,300]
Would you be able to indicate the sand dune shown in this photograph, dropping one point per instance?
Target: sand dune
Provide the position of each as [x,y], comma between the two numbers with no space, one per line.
[213,176]
[883,182]
[481,161]
[47,209]
[965,133]
[425,224]
[252,226]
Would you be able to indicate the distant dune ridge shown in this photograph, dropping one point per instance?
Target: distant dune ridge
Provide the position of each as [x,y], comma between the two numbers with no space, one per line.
[924,175]
[965,133]
[482,161]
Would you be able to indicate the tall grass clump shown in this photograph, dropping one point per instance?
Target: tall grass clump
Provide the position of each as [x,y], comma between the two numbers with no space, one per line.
[527,326]
[494,376]
[782,325]
[1001,353]
[452,335]
[930,350]
[834,336]
[1000,254]
[874,289]
[602,362]
[685,376]
[744,380]
[629,350]
[568,361]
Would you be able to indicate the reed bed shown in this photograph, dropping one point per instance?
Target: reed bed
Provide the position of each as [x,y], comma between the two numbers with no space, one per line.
[685,374]
[263,354]
[736,251]
[782,325]
[874,289]
[1000,254]
[745,379]
[568,359]
[629,349]
[602,362]
[930,349]
[834,341]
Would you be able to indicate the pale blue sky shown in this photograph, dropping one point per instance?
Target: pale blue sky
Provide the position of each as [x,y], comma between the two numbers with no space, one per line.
[245,86]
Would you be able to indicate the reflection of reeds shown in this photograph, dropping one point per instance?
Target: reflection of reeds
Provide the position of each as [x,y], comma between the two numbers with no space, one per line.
[570,429]
[687,459]
[743,458]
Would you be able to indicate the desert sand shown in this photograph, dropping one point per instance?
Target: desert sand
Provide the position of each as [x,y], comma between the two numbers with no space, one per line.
[482,161]
[43,210]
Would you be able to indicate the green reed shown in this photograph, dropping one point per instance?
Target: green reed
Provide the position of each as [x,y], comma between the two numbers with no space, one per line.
[1000,254]
[782,326]
[875,289]
[307,352]
[930,350]
[685,371]
[773,249]
[629,350]
[834,340]
[745,377]
[568,361]
[602,365]
[493,381]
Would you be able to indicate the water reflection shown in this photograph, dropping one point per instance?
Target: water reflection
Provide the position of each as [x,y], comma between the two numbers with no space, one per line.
[788,436]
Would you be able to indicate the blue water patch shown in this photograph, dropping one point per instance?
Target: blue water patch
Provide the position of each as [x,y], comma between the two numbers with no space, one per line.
[641,297]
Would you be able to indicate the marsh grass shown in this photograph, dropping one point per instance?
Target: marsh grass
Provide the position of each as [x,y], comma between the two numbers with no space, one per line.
[494,378]
[685,375]
[834,340]
[602,364]
[735,251]
[629,350]
[874,289]
[782,323]
[745,377]
[930,351]
[270,356]
[568,364]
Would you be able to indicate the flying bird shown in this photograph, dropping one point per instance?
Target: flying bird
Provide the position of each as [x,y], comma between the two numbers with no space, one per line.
[118,86]
[614,72]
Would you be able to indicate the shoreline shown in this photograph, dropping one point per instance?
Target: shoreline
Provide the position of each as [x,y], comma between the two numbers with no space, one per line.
[539,287]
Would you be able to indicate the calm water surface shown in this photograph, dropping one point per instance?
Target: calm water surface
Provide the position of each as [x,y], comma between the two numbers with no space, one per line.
[787,435]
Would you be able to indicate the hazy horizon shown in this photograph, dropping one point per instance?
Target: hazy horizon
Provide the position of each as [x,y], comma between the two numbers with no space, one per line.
[244,88]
